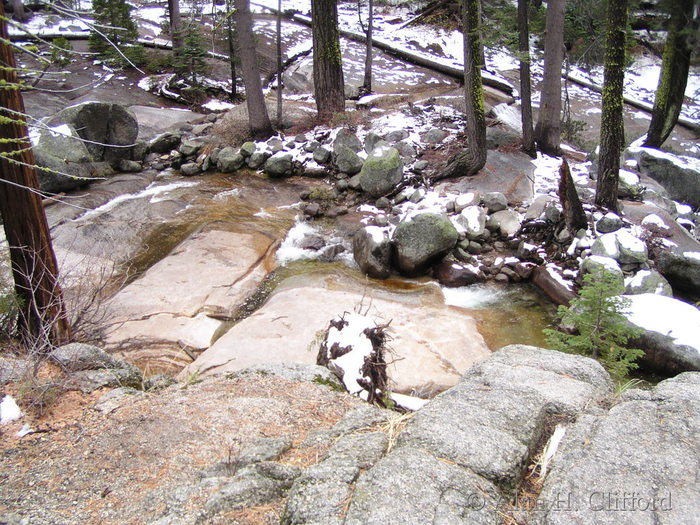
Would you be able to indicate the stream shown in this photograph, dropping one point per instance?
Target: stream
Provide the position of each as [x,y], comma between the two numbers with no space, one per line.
[205,256]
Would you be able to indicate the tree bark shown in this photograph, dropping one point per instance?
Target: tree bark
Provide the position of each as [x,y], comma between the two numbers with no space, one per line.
[470,160]
[525,88]
[43,317]
[329,87]
[548,128]
[574,216]
[611,123]
[258,119]
[231,52]
[175,26]
[674,75]
[367,82]
[279,63]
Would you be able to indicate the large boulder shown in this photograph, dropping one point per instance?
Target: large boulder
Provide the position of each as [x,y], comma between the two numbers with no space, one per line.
[648,281]
[279,165]
[669,340]
[103,125]
[67,164]
[473,220]
[422,239]
[381,171]
[372,251]
[681,269]
[637,463]
[679,175]
[229,160]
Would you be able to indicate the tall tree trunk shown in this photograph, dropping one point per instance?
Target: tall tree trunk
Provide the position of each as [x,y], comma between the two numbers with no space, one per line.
[18,12]
[231,52]
[471,159]
[674,75]
[260,125]
[525,91]
[329,87]
[279,63]
[34,268]
[175,26]
[548,128]
[367,83]
[611,124]
[574,215]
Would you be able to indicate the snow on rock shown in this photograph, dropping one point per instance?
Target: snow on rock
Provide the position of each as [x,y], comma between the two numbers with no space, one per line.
[9,410]
[667,316]
[346,349]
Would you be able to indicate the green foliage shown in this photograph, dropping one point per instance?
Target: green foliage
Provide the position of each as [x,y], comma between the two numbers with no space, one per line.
[113,20]
[602,330]
[60,53]
[191,61]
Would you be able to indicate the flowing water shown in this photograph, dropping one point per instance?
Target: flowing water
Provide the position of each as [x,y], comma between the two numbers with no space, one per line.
[254,204]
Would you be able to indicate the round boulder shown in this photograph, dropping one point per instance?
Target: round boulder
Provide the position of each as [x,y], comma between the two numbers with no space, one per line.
[422,239]
[381,172]
[372,251]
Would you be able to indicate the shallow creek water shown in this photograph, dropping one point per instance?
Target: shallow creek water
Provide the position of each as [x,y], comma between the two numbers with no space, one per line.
[252,204]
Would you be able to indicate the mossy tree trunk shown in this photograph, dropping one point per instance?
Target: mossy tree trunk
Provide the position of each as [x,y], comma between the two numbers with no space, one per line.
[329,87]
[470,160]
[43,317]
[548,128]
[674,74]
[611,124]
[525,90]
[258,118]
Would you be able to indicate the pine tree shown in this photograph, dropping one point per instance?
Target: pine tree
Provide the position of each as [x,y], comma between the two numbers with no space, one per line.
[602,329]
[113,20]
[190,61]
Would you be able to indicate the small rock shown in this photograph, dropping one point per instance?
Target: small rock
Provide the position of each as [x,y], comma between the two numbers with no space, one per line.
[279,165]
[494,201]
[312,209]
[312,242]
[608,223]
[164,143]
[322,155]
[189,169]
[383,203]
[189,148]
[229,160]
[434,136]
[257,159]
[247,149]
[129,166]
[346,138]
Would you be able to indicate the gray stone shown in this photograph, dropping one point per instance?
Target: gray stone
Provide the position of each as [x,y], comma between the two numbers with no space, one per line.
[312,146]
[79,356]
[312,209]
[502,403]
[681,269]
[263,449]
[381,172]
[537,207]
[494,201]
[679,176]
[507,222]
[396,135]
[257,159]
[102,123]
[412,487]
[190,148]
[637,463]
[291,372]
[12,369]
[473,220]
[497,137]
[346,160]
[322,155]
[229,160]
[422,239]
[405,149]
[279,165]
[608,223]
[450,273]
[259,484]
[371,141]
[115,398]
[189,169]
[247,149]
[164,143]
[355,183]
[598,263]
[648,281]
[88,381]
[434,136]
[464,200]
[321,492]
[348,139]
[275,145]
[372,251]
[420,165]
[201,129]
[366,448]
